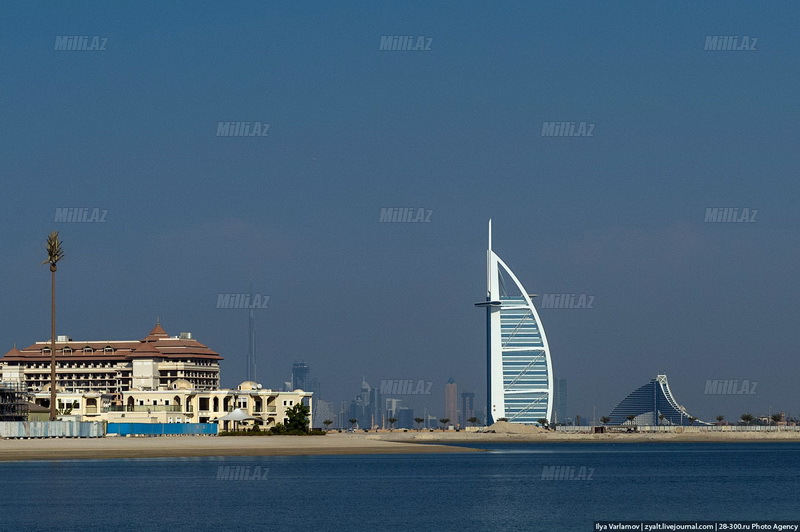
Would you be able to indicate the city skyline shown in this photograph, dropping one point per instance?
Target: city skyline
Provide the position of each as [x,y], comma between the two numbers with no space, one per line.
[643,176]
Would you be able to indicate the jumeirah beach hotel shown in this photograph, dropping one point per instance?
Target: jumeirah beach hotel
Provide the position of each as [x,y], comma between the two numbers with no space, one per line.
[519,369]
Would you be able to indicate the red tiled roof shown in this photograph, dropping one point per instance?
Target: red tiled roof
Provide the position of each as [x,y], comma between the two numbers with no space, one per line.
[156,344]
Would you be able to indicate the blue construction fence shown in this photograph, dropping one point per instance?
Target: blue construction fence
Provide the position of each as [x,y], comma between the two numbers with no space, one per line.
[161,429]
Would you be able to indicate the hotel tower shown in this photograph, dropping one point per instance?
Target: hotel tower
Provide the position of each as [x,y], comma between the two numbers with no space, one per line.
[519,371]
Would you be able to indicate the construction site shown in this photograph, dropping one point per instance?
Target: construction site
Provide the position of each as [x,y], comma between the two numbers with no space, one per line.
[13,402]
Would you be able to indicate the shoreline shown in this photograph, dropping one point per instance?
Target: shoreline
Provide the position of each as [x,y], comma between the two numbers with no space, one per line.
[556,437]
[14,450]
[334,443]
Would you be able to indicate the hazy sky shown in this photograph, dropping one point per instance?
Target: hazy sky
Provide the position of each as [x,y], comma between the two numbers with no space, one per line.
[457,130]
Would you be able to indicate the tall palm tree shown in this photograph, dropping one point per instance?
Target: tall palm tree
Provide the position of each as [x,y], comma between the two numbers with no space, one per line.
[473,420]
[720,418]
[418,421]
[392,421]
[444,421]
[54,254]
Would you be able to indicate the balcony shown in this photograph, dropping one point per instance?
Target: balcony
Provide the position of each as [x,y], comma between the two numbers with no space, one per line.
[144,408]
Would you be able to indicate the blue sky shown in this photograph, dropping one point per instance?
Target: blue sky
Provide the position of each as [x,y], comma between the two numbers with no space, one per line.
[456,130]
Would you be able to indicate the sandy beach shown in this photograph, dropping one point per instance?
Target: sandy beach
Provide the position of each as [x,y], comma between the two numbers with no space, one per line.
[188,446]
[396,442]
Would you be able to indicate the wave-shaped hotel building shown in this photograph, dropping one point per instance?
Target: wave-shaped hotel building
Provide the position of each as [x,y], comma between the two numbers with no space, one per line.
[519,369]
[651,404]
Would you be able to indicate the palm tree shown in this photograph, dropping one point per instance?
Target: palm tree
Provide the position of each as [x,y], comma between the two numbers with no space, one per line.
[692,419]
[777,417]
[444,421]
[605,419]
[418,421]
[54,254]
[392,421]
[473,420]
[747,418]
[719,419]
[353,422]
[542,421]
[327,423]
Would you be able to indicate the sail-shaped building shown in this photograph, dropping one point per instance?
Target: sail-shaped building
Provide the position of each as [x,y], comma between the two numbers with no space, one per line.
[519,370]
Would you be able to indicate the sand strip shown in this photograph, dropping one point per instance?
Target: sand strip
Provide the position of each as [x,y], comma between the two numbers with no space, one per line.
[188,446]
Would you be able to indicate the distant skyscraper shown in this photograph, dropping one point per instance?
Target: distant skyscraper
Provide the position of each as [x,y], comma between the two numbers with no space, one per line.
[405,418]
[376,406]
[300,373]
[451,401]
[519,370]
[467,407]
[322,410]
[560,405]
[361,409]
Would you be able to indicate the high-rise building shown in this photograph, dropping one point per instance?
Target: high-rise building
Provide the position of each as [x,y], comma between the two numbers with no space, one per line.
[323,410]
[451,401]
[560,405]
[300,372]
[361,408]
[405,418]
[377,413]
[519,371]
[467,408]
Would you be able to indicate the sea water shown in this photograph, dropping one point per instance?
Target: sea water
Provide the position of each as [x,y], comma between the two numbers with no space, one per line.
[565,486]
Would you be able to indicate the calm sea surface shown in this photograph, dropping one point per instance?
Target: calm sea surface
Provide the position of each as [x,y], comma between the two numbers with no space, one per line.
[502,489]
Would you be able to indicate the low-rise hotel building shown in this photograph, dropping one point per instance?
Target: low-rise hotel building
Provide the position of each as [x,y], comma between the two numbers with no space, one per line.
[159,379]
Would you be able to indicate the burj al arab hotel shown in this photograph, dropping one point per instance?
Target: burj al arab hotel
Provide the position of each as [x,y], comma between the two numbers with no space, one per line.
[519,371]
